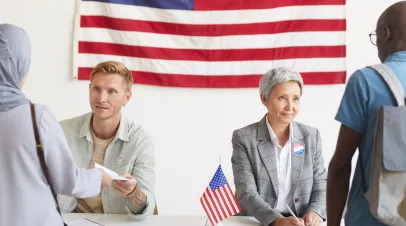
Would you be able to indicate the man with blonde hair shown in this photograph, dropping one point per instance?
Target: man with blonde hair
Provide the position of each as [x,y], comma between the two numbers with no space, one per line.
[106,137]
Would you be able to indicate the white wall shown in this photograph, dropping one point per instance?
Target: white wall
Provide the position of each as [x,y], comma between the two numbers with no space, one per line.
[191,127]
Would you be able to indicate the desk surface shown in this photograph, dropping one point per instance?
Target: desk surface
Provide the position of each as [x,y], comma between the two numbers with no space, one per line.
[123,219]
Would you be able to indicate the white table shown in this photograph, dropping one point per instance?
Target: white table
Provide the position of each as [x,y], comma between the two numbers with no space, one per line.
[157,220]
[123,219]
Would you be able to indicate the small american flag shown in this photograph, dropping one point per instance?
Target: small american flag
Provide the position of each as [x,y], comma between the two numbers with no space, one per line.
[218,200]
[212,43]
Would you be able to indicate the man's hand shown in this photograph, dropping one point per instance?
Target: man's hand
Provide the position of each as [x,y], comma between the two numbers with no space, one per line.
[312,219]
[288,221]
[123,187]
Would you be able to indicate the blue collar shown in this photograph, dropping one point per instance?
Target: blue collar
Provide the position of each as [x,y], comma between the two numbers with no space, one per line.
[397,56]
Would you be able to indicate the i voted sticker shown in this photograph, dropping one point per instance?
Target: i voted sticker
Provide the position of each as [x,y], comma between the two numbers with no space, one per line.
[298,149]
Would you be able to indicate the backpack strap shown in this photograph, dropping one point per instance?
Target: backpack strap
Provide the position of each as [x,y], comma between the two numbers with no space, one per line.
[40,153]
[392,81]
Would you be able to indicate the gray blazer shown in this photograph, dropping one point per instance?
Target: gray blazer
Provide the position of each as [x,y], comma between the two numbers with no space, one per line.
[256,178]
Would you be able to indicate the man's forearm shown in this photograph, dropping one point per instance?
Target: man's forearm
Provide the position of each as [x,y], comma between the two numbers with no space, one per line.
[137,201]
[337,192]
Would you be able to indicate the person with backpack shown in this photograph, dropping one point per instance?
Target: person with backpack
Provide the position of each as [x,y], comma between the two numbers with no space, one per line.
[369,114]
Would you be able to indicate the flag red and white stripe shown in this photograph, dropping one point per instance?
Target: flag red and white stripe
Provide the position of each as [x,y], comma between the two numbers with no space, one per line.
[218,200]
[211,43]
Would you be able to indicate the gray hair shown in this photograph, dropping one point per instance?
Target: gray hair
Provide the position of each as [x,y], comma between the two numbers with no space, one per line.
[276,76]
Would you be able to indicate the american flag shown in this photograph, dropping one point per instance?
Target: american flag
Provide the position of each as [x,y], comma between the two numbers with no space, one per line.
[218,200]
[212,43]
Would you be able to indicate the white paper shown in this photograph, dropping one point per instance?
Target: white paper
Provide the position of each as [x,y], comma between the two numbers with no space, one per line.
[113,174]
[82,222]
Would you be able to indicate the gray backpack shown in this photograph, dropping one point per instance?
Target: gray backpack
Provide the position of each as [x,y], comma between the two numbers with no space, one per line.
[387,188]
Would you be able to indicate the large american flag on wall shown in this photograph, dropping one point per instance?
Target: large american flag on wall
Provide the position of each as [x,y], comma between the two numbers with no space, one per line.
[212,43]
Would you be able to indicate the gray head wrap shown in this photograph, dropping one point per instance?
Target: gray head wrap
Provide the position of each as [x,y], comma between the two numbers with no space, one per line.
[15,55]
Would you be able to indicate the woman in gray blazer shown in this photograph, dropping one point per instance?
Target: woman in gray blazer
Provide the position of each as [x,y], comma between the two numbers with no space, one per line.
[277,163]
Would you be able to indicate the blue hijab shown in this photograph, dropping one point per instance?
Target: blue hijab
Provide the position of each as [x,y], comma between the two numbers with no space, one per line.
[15,55]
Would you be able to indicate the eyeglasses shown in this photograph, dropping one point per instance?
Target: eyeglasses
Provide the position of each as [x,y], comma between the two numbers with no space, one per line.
[372,35]
[372,38]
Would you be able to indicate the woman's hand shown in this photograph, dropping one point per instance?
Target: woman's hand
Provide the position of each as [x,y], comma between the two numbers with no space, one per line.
[312,219]
[288,221]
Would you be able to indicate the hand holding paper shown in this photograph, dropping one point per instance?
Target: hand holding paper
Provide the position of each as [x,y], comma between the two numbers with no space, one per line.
[124,188]
[113,174]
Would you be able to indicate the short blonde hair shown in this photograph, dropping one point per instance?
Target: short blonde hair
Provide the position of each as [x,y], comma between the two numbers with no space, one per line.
[114,67]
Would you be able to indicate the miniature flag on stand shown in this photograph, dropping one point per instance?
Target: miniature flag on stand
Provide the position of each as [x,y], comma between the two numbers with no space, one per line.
[218,200]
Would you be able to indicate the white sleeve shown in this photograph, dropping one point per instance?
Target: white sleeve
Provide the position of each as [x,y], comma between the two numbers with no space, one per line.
[66,177]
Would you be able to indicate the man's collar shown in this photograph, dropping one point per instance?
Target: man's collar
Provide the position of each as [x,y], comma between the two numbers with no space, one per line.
[397,56]
[123,132]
